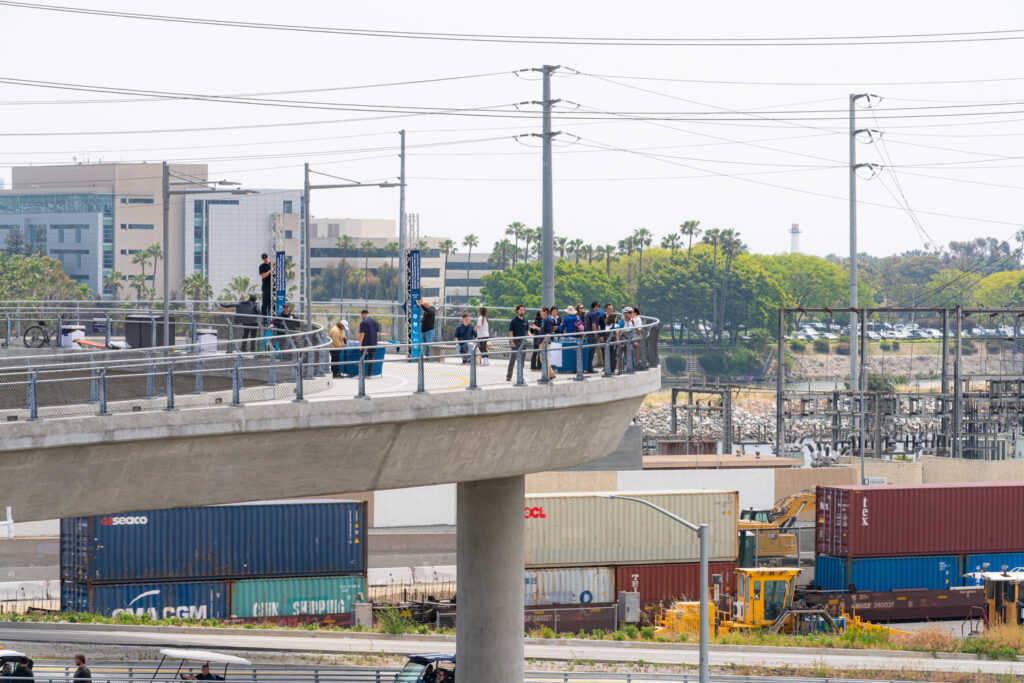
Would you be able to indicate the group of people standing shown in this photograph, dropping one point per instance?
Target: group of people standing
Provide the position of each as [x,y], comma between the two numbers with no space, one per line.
[599,324]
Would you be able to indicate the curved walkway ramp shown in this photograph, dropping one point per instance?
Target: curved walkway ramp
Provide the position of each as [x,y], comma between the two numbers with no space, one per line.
[117,431]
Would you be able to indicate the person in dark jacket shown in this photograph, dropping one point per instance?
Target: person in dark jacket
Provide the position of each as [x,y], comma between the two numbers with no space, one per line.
[82,673]
[22,672]
[247,314]
[465,333]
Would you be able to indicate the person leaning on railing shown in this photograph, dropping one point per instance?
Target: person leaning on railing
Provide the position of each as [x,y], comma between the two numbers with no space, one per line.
[518,329]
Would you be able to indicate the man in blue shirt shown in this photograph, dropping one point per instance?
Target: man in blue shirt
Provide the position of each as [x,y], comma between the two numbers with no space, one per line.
[368,329]
[465,333]
[517,331]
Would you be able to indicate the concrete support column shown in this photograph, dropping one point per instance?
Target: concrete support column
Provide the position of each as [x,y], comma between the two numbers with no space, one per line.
[491,557]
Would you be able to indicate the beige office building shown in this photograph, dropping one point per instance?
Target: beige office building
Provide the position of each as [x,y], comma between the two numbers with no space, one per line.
[95,217]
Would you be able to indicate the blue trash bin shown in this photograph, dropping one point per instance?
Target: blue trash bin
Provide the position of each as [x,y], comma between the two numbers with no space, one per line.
[569,345]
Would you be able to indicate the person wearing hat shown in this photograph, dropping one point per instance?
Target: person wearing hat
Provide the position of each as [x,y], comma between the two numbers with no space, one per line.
[339,340]
[247,314]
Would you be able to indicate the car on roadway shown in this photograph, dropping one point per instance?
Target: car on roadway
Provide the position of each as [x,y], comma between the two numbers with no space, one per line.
[425,668]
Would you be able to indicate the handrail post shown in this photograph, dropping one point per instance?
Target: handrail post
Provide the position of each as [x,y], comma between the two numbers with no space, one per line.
[169,386]
[33,399]
[472,366]
[520,380]
[152,331]
[236,382]
[420,374]
[231,337]
[579,361]
[60,330]
[149,375]
[106,336]
[93,380]
[298,379]
[103,392]
[193,328]
[7,329]
[609,361]
[199,376]
[544,364]
[630,354]
[362,374]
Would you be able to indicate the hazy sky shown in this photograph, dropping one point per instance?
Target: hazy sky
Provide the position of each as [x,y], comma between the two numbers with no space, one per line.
[739,173]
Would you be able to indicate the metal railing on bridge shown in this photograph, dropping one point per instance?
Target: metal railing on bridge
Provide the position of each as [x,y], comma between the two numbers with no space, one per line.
[225,360]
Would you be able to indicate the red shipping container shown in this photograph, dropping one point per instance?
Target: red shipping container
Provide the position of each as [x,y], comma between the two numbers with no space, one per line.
[922,519]
[661,584]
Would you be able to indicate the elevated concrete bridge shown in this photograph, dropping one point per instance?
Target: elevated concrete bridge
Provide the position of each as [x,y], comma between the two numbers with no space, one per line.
[468,425]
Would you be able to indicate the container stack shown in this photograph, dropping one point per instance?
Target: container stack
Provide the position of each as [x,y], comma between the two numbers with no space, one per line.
[582,548]
[888,538]
[231,561]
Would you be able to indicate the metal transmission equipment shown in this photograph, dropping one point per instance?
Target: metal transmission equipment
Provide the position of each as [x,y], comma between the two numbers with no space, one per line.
[547,293]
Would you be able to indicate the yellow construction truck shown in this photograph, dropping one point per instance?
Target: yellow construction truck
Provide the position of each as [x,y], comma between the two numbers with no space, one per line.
[1004,596]
[770,534]
[764,600]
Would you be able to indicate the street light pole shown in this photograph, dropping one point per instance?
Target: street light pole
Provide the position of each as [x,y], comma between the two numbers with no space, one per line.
[165,202]
[702,534]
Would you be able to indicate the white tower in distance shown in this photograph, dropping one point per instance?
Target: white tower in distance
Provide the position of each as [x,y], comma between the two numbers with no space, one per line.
[794,239]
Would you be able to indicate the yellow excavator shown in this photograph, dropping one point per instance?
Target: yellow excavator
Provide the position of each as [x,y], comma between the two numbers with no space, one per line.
[763,600]
[1004,596]
[765,534]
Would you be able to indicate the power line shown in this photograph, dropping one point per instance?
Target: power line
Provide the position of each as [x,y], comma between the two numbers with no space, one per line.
[807,84]
[790,41]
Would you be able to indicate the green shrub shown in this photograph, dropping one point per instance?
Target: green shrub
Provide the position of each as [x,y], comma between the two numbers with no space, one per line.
[885,346]
[895,345]
[968,347]
[798,346]
[843,348]
[547,633]
[821,345]
[675,364]
[392,620]
[647,632]
[630,631]
[739,361]
[758,339]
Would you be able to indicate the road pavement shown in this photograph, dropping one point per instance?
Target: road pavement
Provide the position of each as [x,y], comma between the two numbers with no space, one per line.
[599,651]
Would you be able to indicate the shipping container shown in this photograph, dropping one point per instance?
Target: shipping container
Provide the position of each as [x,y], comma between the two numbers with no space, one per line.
[579,529]
[293,596]
[877,574]
[996,562]
[229,541]
[181,599]
[885,521]
[569,586]
[665,583]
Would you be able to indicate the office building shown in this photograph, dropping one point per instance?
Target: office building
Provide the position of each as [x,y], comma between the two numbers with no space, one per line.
[94,218]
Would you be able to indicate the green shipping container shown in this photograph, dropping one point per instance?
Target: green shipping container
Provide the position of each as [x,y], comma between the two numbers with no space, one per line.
[302,595]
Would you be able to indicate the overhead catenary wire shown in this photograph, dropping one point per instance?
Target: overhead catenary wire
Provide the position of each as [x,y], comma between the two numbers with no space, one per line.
[786,41]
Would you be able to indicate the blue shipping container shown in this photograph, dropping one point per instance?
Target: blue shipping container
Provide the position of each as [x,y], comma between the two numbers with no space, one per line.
[184,600]
[228,541]
[996,562]
[933,572]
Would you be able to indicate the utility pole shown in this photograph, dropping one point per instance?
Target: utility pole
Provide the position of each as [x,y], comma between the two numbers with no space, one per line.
[166,208]
[547,287]
[403,284]
[853,231]
[306,236]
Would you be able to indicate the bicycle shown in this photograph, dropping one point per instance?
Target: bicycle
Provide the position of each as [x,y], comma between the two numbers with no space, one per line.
[38,336]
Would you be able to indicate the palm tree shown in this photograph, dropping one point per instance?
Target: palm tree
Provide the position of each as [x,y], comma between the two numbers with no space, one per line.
[368,250]
[198,285]
[345,243]
[469,241]
[588,251]
[576,246]
[670,242]
[689,230]
[500,254]
[528,235]
[392,248]
[731,246]
[560,244]
[422,245]
[447,247]
[642,238]
[239,288]
[713,236]
[140,258]
[608,252]
[155,251]
[113,280]
[138,283]
[515,229]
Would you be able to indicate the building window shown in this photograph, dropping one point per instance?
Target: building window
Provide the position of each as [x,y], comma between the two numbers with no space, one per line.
[289,234]
[136,226]
[136,200]
[108,257]
[333,229]
[286,206]
[60,235]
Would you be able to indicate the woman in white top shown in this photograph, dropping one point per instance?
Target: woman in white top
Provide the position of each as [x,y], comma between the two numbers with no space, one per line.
[483,331]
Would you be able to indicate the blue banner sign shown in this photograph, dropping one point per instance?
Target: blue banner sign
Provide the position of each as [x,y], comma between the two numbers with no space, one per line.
[414,296]
[280,281]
